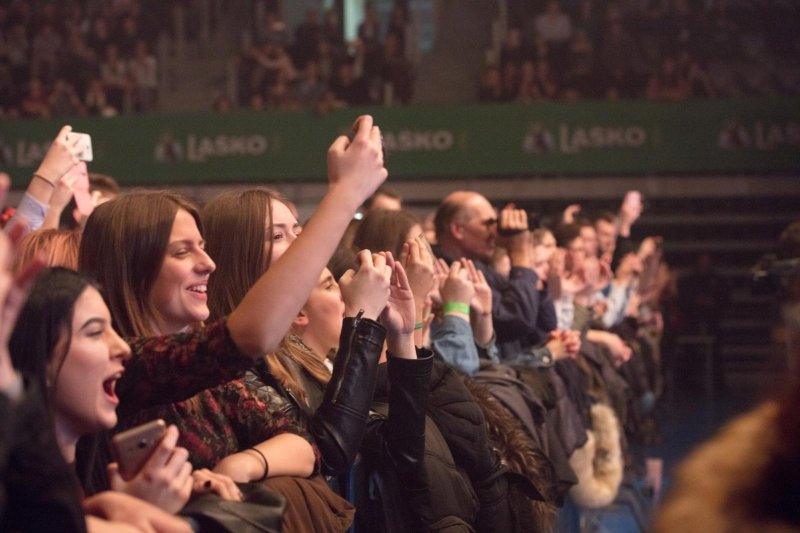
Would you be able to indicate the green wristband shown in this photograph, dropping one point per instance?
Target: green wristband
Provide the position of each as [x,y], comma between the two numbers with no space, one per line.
[457,307]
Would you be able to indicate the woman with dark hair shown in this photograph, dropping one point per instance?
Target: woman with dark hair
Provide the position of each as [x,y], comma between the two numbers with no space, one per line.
[64,345]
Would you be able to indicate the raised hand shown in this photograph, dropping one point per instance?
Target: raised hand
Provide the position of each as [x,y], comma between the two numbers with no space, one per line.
[481,302]
[399,315]
[456,287]
[13,292]
[514,235]
[357,166]
[165,480]
[419,267]
[570,212]
[60,157]
[367,287]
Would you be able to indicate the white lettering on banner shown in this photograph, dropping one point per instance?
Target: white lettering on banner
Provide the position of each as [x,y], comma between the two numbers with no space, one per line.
[423,141]
[759,135]
[30,154]
[198,149]
[579,139]
[772,136]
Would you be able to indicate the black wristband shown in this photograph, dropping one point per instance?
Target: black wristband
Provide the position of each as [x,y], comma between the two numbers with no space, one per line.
[266,463]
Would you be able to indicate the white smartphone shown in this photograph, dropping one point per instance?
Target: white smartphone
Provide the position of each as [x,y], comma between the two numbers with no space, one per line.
[132,448]
[85,145]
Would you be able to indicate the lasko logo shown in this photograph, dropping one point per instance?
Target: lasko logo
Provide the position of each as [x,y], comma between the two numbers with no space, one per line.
[538,140]
[25,154]
[759,135]
[422,141]
[197,149]
[573,140]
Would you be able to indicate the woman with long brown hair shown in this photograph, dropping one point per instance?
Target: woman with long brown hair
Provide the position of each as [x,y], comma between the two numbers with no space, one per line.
[147,249]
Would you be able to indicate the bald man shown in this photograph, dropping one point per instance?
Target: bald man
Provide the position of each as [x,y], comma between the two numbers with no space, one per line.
[467,226]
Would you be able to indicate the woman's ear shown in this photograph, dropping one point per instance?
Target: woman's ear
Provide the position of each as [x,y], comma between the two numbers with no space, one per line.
[300,322]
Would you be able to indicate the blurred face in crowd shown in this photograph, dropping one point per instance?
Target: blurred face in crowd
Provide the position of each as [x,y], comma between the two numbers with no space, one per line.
[606,236]
[478,233]
[179,293]
[542,252]
[82,384]
[589,235]
[285,229]
[576,254]
[322,315]
[383,201]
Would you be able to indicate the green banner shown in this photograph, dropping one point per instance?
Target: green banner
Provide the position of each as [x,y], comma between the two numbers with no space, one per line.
[591,138]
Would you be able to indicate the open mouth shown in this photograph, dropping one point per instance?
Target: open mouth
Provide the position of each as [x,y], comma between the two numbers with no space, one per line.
[110,385]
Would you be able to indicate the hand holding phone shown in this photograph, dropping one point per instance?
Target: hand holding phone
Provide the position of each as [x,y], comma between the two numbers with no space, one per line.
[84,145]
[132,448]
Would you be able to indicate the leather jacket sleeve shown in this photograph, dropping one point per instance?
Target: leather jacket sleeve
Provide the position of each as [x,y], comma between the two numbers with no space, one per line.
[404,430]
[339,423]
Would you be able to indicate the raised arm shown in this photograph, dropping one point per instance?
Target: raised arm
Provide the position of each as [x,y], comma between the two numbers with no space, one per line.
[60,158]
[355,170]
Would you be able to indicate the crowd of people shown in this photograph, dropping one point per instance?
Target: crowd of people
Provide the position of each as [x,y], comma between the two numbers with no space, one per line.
[318,69]
[474,372]
[664,50]
[96,58]
[75,58]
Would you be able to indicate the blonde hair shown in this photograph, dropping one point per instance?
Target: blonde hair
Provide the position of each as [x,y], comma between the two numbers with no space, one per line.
[293,348]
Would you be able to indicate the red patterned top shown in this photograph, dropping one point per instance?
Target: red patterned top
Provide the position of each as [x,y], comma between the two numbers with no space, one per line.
[171,377]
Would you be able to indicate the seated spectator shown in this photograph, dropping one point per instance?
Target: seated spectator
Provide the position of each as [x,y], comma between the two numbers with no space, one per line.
[491,89]
[348,87]
[529,90]
[512,50]
[467,226]
[397,73]
[45,47]
[309,86]
[96,100]
[307,36]
[144,70]
[668,82]
[114,75]
[36,104]
[64,100]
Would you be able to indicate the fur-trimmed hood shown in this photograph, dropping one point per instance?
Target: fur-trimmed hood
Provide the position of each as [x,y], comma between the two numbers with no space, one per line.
[598,464]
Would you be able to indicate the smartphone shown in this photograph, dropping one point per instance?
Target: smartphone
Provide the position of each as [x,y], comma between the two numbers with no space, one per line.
[85,145]
[132,448]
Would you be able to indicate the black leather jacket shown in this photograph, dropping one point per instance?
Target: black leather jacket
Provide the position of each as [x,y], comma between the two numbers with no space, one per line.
[336,415]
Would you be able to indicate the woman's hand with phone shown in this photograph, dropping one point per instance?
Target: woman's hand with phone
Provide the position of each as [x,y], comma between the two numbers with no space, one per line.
[165,480]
